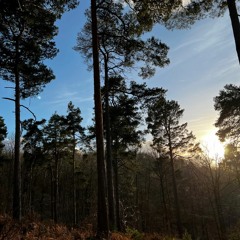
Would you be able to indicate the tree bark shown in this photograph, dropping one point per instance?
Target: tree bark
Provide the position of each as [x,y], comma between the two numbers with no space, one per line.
[117,200]
[102,216]
[74,183]
[111,198]
[162,190]
[17,208]
[175,192]
[235,24]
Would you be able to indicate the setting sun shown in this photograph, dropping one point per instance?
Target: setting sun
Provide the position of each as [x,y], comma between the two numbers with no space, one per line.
[212,146]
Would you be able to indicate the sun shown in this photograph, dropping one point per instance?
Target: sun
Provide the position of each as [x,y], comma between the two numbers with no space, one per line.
[212,146]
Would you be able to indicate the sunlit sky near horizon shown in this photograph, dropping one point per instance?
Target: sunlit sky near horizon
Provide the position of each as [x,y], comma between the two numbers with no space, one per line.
[203,60]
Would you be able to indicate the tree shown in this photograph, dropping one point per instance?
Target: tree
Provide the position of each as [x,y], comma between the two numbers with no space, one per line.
[125,106]
[102,216]
[120,48]
[33,155]
[26,34]
[228,105]
[125,136]
[171,138]
[55,146]
[183,14]
[214,180]
[76,132]
[3,133]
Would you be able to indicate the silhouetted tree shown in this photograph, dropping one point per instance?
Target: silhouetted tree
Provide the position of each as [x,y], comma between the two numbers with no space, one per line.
[120,48]
[33,155]
[26,38]
[228,105]
[76,133]
[102,213]
[56,144]
[171,137]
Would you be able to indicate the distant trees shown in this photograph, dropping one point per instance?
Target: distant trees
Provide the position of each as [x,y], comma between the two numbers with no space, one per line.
[171,139]
[76,135]
[50,144]
[207,192]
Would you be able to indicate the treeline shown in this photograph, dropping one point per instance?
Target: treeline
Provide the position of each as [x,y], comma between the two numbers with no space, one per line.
[60,170]
[168,186]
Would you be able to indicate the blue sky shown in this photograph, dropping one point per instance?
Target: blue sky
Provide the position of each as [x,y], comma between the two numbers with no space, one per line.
[203,60]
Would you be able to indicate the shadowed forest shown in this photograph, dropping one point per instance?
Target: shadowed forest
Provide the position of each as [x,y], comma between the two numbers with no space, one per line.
[137,172]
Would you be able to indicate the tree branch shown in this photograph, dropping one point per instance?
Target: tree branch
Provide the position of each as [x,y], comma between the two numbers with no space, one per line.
[11,99]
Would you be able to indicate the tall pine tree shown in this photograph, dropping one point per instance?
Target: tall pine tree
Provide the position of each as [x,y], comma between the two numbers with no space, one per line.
[26,39]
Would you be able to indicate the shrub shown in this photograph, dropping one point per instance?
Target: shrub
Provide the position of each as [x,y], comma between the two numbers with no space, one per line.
[134,233]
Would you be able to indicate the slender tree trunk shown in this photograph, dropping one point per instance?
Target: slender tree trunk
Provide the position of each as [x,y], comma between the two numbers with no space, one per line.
[111,199]
[235,24]
[217,203]
[56,189]
[175,192]
[116,188]
[31,187]
[52,192]
[166,217]
[102,216]
[74,183]
[17,208]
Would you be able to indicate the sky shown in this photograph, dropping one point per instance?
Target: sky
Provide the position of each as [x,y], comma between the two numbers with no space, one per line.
[203,60]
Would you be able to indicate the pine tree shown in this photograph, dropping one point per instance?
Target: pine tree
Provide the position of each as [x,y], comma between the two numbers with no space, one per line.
[26,38]
[76,134]
[171,138]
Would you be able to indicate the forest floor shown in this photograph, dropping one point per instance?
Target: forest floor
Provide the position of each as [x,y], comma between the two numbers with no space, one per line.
[29,229]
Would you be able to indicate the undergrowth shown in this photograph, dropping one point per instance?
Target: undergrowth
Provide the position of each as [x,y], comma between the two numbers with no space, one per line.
[30,228]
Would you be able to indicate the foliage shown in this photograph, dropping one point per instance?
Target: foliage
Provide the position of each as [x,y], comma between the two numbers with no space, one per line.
[164,124]
[228,105]
[3,133]
[134,233]
[120,44]
[176,14]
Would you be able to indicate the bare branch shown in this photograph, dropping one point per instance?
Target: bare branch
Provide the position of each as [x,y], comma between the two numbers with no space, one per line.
[11,99]
[35,118]
[9,87]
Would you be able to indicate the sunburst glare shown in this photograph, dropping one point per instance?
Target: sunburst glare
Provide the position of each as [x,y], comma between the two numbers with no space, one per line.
[212,146]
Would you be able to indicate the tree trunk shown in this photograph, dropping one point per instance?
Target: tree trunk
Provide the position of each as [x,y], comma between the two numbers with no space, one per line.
[218,203]
[117,200]
[175,192]
[74,184]
[17,209]
[111,199]
[166,217]
[102,216]
[235,24]
[56,188]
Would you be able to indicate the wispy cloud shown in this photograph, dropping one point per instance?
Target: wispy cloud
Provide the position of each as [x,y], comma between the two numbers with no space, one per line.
[62,100]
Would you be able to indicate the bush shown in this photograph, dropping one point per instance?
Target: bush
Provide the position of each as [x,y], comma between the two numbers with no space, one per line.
[134,234]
